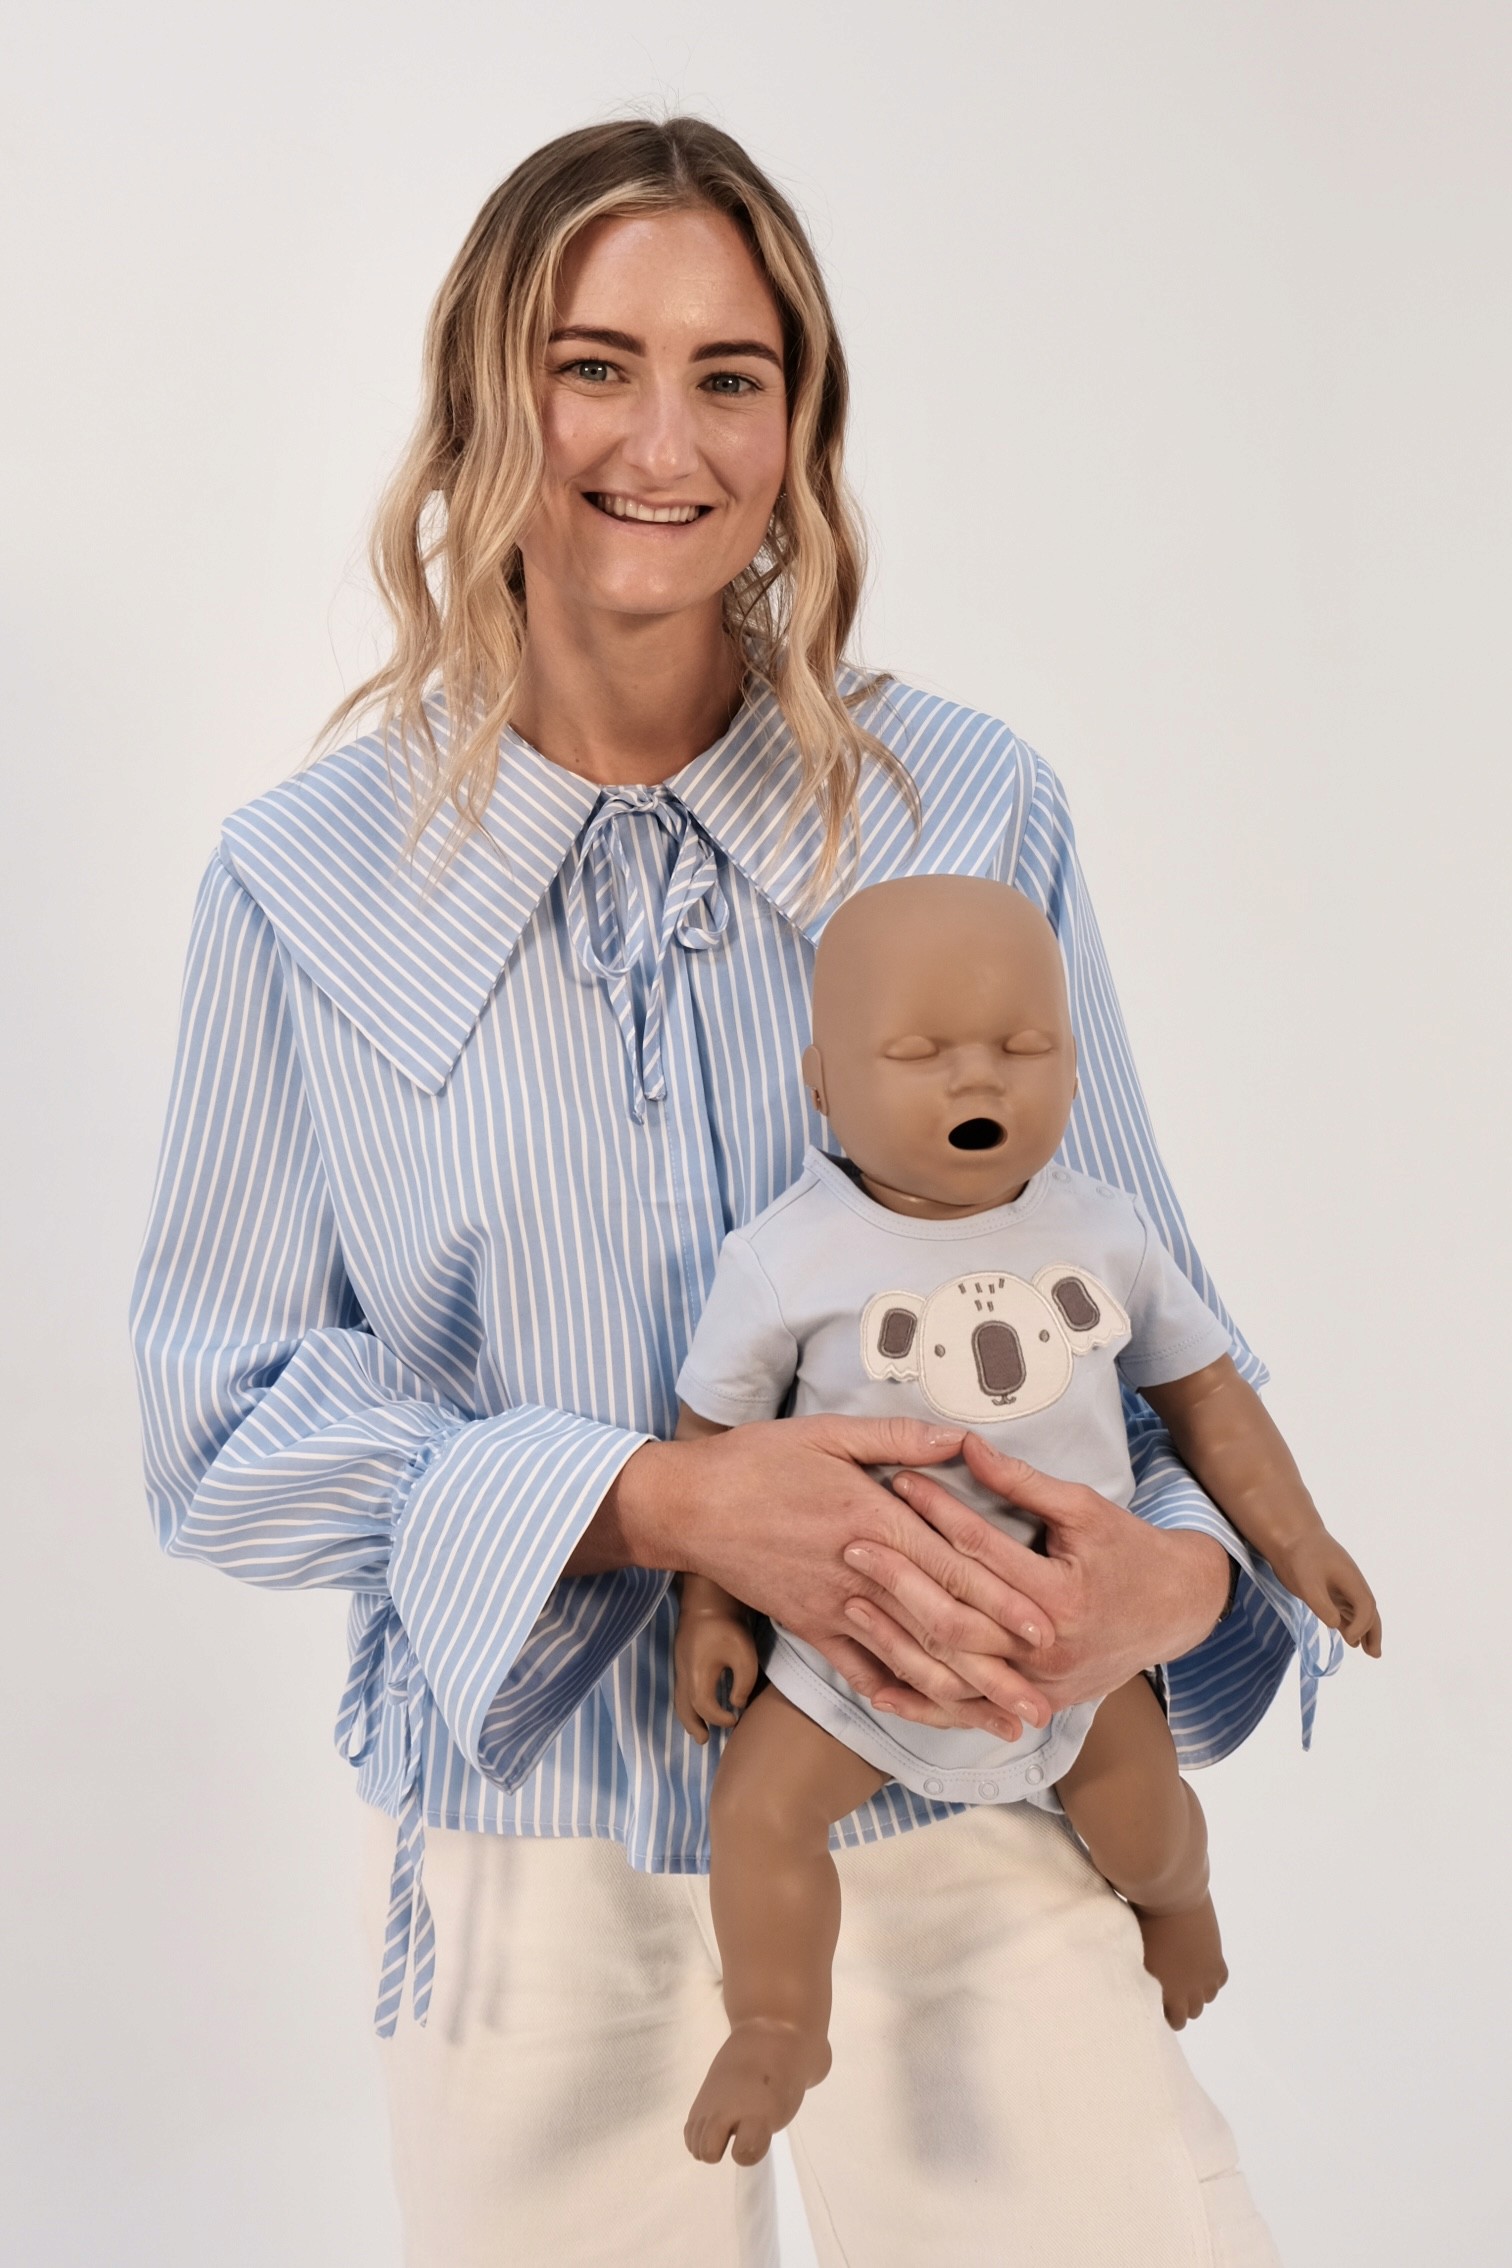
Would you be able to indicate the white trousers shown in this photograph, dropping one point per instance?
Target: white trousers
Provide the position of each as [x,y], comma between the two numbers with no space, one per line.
[1005,2093]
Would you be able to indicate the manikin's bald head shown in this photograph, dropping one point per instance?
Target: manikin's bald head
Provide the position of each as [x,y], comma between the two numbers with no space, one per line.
[942,1053]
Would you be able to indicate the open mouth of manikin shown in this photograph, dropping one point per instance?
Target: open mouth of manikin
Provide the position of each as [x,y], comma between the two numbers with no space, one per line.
[976,1134]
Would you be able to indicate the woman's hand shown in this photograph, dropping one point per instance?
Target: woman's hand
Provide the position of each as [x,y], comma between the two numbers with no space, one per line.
[1117,1593]
[768,1511]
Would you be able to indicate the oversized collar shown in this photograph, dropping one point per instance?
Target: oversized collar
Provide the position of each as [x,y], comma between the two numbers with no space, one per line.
[411,949]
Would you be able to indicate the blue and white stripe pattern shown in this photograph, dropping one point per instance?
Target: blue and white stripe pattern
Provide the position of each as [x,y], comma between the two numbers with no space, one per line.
[449,1157]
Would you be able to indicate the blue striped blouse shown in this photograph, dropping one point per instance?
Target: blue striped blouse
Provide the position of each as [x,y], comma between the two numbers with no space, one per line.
[448,1161]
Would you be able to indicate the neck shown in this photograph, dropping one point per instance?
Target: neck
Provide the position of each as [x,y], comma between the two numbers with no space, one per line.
[621,698]
[929,1208]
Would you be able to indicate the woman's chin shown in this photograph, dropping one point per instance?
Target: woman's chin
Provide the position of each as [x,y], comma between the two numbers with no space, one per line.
[651,597]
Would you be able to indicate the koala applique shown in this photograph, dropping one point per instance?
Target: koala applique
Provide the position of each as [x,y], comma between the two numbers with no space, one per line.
[991,1346]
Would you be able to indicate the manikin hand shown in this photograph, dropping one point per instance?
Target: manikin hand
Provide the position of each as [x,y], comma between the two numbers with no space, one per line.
[1319,1571]
[713,1636]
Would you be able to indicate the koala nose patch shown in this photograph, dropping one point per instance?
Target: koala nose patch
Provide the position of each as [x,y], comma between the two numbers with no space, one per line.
[976,1134]
[1000,1365]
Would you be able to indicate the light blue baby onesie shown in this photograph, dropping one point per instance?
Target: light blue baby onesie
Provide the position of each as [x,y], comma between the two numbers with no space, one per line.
[1017,1322]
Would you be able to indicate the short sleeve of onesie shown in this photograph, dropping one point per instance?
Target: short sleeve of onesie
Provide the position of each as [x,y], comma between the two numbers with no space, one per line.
[1173,1330]
[743,1358]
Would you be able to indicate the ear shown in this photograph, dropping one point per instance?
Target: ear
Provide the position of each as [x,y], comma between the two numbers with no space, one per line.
[813,1079]
[890,1334]
[1088,1312]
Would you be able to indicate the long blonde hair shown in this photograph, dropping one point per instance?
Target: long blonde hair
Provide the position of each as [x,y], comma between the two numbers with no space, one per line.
[445,547]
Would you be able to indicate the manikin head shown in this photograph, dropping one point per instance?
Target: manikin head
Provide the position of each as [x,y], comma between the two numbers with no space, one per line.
[942,1053]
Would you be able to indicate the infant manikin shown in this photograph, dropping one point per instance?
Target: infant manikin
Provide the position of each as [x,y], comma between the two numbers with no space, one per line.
[946,1268]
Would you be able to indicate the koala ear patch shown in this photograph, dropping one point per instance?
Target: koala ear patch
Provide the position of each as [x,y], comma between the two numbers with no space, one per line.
[890,1335]
[1091,1315]
[1076,1303]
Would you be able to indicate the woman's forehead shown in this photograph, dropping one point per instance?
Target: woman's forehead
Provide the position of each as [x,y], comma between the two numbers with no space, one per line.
[686,271]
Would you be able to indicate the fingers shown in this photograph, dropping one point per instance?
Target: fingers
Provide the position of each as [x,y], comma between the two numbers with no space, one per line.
[1015,1702]
[1059,1502]
[947,1688]
[973,1538]
[969,1716]
[966,1557]
[708,1686]
[889,1441]
[742,1679]
[912,1595]
[863,1671]
[1360,1622]
[699,1670]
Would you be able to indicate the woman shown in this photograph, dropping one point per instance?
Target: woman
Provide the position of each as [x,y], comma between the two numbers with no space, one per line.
[491,1031]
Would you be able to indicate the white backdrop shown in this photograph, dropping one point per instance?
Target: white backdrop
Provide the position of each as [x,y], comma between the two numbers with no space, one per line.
[1182,357]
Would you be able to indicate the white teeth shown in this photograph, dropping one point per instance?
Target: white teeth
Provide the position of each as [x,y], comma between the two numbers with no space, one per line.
[624,508]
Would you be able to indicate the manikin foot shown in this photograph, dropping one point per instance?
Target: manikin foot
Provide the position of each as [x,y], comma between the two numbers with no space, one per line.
[753,2087]
[1185,1956]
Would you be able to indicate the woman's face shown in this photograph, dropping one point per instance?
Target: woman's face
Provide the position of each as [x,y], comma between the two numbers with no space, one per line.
[665,417]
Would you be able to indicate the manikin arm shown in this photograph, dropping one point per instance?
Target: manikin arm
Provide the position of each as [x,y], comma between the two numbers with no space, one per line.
[1227,1439]
[713,1632]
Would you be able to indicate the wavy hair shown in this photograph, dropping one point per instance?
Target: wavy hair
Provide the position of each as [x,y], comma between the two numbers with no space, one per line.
[445,548]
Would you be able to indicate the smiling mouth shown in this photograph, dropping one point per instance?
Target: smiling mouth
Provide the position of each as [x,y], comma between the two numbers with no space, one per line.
[976,1134]
[646,515]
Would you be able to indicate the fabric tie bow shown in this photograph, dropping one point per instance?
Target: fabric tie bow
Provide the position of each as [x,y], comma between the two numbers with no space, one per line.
[623,936]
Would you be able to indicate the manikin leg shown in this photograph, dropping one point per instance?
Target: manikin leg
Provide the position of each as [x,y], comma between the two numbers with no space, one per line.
[1145,1833]
[775,1896]
[782,1783]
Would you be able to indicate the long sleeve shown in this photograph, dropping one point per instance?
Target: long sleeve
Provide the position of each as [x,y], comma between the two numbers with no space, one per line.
[1218,1693]
[289,1446]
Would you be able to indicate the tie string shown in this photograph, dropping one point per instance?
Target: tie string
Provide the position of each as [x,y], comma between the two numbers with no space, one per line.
[384,1670]
[623,937]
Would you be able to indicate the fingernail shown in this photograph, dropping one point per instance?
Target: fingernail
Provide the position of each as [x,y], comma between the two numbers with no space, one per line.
[903,1484]
[1031,1632]
[857,1556]
[1030,1716]
[858,1615]
[939,1434]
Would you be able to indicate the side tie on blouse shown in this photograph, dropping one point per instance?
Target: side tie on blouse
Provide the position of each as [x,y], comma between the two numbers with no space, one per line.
[384,1669]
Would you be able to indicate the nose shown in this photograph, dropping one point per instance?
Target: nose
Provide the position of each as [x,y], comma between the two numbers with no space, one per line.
[660,442]
[975,1070]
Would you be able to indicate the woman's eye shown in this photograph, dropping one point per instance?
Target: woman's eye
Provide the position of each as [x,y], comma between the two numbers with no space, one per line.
[594,372]
[730,382]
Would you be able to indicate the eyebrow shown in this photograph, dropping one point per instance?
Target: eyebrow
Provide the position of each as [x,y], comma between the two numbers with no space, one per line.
[716,351]
[723,347]
[620,339]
